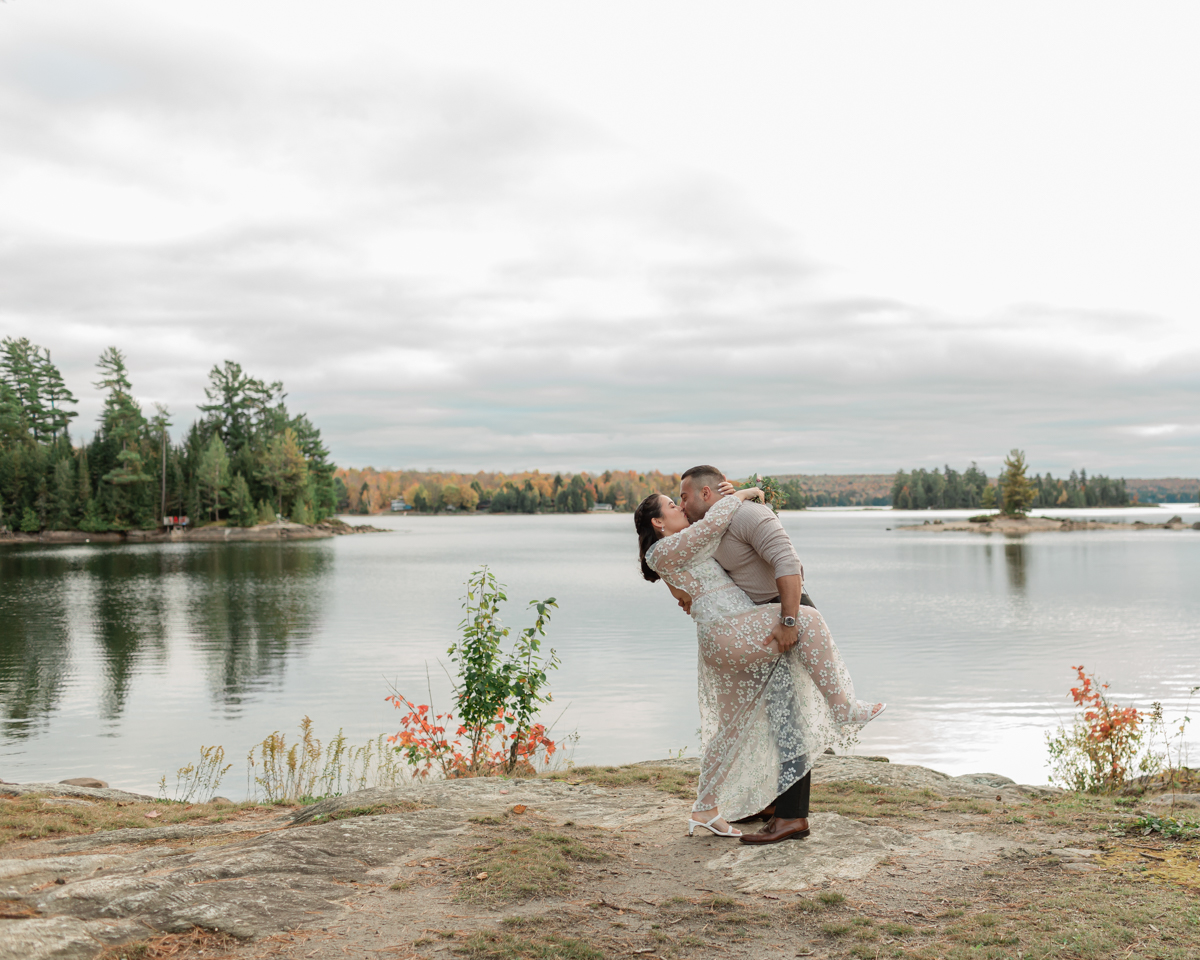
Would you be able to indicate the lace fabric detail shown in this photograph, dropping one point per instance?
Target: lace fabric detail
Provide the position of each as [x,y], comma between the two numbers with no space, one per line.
[764,716]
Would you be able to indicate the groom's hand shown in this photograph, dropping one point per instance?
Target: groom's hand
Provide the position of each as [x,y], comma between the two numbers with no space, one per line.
[684,598]
[784,637]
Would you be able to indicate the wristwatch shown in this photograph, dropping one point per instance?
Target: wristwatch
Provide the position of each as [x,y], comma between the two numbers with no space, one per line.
[788,621]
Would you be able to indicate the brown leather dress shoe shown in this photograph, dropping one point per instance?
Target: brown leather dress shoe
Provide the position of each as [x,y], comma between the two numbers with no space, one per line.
[777,830]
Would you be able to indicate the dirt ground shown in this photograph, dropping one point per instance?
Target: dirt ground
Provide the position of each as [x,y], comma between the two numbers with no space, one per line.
[901,863]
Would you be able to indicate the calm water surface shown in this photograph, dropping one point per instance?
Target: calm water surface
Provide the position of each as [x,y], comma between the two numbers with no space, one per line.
[121,661]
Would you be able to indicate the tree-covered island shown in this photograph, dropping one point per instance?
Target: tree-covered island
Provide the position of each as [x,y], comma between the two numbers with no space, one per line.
[245,461]
[971,489]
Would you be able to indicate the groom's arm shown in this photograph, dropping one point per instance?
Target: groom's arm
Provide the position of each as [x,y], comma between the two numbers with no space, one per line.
[771,542]
[790,588]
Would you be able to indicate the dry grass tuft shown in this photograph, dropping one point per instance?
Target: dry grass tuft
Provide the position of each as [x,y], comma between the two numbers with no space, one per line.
[196,943]
[851,798]
[32,818]
[504,946]
[671,780]
[524,863]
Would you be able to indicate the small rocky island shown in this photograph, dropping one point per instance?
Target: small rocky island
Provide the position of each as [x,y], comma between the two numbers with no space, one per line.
[589,863]
[1000,523]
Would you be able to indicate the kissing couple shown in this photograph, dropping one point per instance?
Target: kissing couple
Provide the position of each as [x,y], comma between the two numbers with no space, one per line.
[774,690]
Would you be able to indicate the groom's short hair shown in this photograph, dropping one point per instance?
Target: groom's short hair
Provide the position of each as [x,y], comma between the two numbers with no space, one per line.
[704,475]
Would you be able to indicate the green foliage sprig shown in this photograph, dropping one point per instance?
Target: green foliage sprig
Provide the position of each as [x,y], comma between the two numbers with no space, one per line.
[775,497]
[1165,826]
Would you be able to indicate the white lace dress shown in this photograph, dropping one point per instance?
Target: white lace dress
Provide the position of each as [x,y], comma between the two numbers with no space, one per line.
[764,716]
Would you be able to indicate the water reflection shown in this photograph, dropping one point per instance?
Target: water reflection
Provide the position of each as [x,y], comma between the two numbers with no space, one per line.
[1014,565]
[247,607]
[34,642]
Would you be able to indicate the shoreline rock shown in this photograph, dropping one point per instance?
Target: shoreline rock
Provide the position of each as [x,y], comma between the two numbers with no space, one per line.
[284,530]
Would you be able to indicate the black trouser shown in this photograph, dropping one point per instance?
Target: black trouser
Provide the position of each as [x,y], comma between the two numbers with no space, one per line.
[792,804]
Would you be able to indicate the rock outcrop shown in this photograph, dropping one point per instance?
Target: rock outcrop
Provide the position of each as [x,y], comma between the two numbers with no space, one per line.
[68,898]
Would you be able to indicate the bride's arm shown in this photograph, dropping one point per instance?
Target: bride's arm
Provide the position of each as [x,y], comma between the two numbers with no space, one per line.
[697,542]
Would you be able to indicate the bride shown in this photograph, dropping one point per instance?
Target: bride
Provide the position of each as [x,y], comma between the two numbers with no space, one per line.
[764,715]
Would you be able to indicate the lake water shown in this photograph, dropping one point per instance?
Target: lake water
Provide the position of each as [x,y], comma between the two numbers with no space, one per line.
[121,661]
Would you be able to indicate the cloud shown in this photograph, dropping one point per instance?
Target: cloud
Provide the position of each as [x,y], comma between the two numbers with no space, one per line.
[446,270]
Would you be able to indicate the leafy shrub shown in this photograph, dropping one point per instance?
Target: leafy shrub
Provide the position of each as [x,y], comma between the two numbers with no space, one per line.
[1099,751]
[497,696]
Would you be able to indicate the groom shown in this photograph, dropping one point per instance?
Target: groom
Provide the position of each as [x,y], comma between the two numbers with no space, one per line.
[759,557]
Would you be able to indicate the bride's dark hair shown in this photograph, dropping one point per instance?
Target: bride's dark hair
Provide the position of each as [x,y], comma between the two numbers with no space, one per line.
[649,509]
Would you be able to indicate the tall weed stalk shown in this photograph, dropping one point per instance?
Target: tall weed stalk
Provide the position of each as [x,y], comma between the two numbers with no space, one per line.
[308,770]
[198,781]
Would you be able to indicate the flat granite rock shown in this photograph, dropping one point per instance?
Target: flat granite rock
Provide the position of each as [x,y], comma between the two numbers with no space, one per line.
[830,769]
[62,938]
[838,849]
[71,790]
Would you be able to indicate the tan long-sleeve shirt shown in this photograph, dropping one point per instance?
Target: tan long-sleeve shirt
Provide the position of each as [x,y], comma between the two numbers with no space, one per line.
[756,550]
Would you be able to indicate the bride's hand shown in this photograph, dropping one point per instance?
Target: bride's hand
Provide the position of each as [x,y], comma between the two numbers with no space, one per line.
[750,493]
[725,488]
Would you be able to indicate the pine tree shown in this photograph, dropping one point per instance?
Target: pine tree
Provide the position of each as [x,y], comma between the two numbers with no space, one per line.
[300,512]
[265,513]
[241,507]
[213,474]
[1016,490]
[91,521]
[20,371]
[239,405]
[83,485]
[282,467]
[195,506]
[56,396]
[13,426]
[64,509]
[121,424]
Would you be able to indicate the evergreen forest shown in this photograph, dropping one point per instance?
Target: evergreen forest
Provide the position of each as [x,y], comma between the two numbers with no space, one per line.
[245,461]
[933,490]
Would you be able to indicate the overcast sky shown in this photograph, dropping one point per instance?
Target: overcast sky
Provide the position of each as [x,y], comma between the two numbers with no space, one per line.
[787,237]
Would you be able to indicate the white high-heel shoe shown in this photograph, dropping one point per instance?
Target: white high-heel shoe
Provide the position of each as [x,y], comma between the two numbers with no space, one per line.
[731,832]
